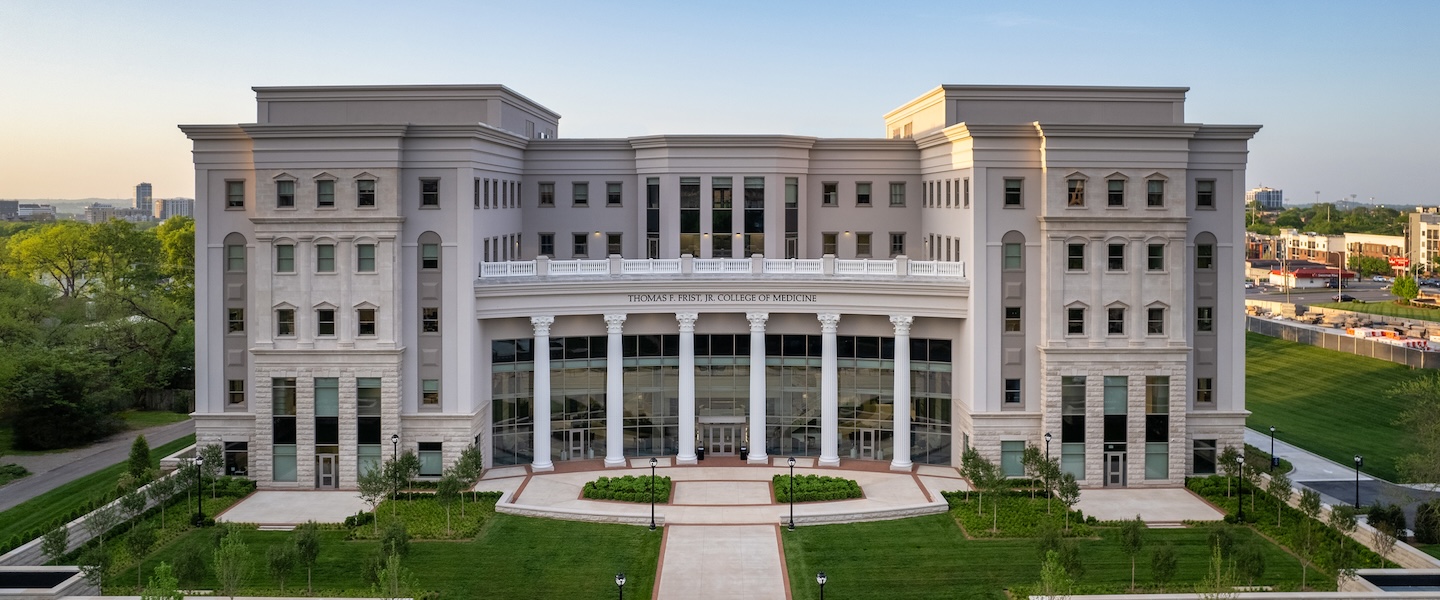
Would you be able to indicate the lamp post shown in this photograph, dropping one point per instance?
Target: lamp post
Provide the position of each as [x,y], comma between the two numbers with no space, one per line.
[791,462]
[1240,488]
[620,583]
[395,470]
[1359,462]
[820,579]
[652,493]
[1274,460]
[1047,445]
[199,508]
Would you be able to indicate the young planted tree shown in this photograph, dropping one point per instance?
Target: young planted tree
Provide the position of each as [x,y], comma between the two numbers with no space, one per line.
[1068,492]
[1132,540]
[1310,505]
[1055,582]
[101,521]
[1249,562]
[94,562]
[56,542]
[470,467]
[163,585]
[139,464]
[393,581]
[1253,467]
[212,459]
[982,475]
[307,549]
[374,485]
[1033,461]
[190,562]
[1383,540]
[133,504]
[1405,288]
[280,561]
[161,491]
[1219,582]
[232,564]
[1343,519]
[1280,488]
[1163,564]
[447,492]
[396,540]
[1229,466]
[1052,478]
[139,542]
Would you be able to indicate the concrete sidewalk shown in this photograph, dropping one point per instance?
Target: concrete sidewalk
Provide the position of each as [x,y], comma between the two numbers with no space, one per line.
[50,471]
[741,561]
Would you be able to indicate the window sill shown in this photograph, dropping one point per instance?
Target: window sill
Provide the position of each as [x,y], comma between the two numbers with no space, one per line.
[366,207]
[325,207]
[235,208]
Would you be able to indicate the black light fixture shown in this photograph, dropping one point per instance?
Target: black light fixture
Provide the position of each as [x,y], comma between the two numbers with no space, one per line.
[1047,445]
[1274,460]
[395,456]
[791,462]
[652,493]
[1240,487]
[1359,462]
[620,583]
[820,579]
[199,509]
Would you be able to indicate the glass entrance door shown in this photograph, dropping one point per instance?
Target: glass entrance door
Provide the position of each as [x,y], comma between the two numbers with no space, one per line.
[574,445]
[325,471]
[1114,469]
[721,440]
[869,440]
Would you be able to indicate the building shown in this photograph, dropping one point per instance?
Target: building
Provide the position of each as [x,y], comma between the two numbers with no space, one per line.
[1316,247]
[9,209]
[173,207]
[1390,248]
[1311,277]
[1266,198]
[98,213]
[35,212]
[1422,238]
[143,196]
[1022,265]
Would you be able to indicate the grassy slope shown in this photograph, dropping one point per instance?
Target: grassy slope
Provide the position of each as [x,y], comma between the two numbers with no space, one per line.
[864,560]
[1331,403]
[47,508]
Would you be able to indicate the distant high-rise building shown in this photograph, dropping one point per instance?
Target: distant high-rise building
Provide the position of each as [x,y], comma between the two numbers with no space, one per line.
[1266,198]
[9,209]
[165,208]
[142,196]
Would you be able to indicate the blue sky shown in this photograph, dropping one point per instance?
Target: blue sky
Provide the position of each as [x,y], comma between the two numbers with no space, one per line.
[90,92]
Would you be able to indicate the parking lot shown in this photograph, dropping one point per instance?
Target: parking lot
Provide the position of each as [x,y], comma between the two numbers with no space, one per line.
[1368,291]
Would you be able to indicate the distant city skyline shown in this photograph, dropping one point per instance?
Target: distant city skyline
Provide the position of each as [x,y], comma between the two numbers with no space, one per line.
[1341,89]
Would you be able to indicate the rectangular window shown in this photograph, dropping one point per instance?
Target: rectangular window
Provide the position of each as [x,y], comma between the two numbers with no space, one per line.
[1115,257]
[965,184]
[1075,257]
[430,319]
[1204,390]
[1204,318]
[613,194]
[1012,391]
[285,258]
[430,392]
[1013,197]
[862,194]
[1115,321]
[579,245]
[547,244]
[689,216]
[237,391]
[234,194]
[830,194]
[1075,192]
[235,258]
[431,461]
[828,243]
[897,244]
[327,398]
[1012,319]
[1204,457]
[1115,195]
[324,258]
[325,322]
[1155,321]
[1013,256]
[236,320]
[948,196]
[1011,454]
[612,244]
[365,258]
[365,192]
[478,187]
[285,194]
[897,193]
[429,256]
[1075,321]
[430,193]
[1155,193]
[1205,193]
[325,193]
[754,216]
[580,193]
[547,193]
[1205,256]
[365,319]
[367,398]
[1155,257]
[862,244]
[1072,425]
[285,322]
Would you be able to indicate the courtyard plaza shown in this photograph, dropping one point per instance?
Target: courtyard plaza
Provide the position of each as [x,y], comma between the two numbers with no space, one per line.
[722,527]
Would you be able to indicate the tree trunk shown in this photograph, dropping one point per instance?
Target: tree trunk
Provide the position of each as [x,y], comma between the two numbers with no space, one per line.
[309,591]
[447,519]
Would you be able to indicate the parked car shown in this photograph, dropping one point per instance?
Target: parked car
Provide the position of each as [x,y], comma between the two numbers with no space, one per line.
[1330,284]
[1249,285]
[1380,278]
[1343,298]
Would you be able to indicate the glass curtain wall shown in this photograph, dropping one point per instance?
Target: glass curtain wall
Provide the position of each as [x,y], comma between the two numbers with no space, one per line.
[866,396]
[577,397]
[792,395]
[512,391]
[931,381]
[652,388]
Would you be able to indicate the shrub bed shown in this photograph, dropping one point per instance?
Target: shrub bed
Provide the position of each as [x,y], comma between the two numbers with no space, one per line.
[9,473]
[629,488]
[1013,515]
[815,488]
[424,517]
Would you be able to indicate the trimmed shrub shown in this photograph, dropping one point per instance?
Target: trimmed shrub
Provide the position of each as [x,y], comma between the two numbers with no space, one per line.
[360,519]
[1427,522]
[815,488]
[629,488]
[1387,513]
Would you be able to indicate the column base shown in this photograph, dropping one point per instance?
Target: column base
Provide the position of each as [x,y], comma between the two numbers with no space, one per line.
[755,459]
[829,461]
[544,467]
[611,463]
[899,466]
[684,460]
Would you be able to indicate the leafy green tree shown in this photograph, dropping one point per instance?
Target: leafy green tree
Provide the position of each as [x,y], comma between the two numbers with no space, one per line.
[1405,288]
[1367,266]
[163,585]
[190,562]
[161,491]
[1222,538]
[447,492]
[1054,580]
[139,542]
[177,245]
[1383,537]
[393,580]
[981,472]
[1229,465]
[1068,492]
[1421,422]
[1310,505]
[1343,519]
[279,562]
[1033,461]
[470,466]
[55,542]
[1249,562]
[100,521]
[94,562]
[1219,582]
[53,398]
[232,564]
[1281,489]
[212,459]
[1164,564]
[58,254]
[1132,541]
[395,541]
[374,485]
[307,550]
[133,504]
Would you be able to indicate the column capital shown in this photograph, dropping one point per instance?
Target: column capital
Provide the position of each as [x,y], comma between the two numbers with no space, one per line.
[614,323]
[902,323]
[687,321]
[542,325]
[828,322]
[757,321]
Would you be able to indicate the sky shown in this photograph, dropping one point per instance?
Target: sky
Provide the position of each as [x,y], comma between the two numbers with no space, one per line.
[91,92]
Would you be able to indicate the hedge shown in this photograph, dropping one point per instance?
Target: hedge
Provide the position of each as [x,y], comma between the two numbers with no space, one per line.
[629,488]
[815,488]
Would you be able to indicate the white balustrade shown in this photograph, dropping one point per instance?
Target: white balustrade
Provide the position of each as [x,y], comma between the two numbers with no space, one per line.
[641,266]
[722,265]
[864,267]
[514,268]
[794,265]
[725,266]
[936,268]
[580,267]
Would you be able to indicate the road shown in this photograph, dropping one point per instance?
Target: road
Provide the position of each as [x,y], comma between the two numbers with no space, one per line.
[50,471]
[1369,291]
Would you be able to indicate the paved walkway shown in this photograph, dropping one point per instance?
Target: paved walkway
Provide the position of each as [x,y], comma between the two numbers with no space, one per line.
[736,561]
[50,471]
[285,508]
[1156,507]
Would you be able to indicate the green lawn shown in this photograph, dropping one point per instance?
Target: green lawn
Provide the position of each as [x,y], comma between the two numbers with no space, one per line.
[1431,549]
[929,557]
[1389,309]
[141,419]
[513,557]
[1331,403]
[44,510]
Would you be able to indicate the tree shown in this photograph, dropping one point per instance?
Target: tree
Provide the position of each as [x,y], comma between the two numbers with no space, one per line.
[393,580]
[1033,461]
[396,540]
[100,521]
[1383,540]
[1310,505]
[399,472]
[161,491]
[1054,581]
[133,504]
[177,244]
[232,564]
[1164,564]
[447,492]
[212,457]
[279,561]
[1068,492]
[1427,522]
[470,466]
[982,473]
[1249,562]
[1343,519]
[190,562]
[1132,540]
[1280,488]
[1051,473]
[56,542]
[139,465]
[1255,464]
[374,485]
[58,254]
[1421,421]
[163,585]
[307,549]
[1219,581]
[1229,465]
[94,562]
[1405,288]
[141,538]
[57,398]
[1368,265]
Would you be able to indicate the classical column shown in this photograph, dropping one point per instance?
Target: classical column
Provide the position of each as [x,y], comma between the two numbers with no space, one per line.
[829,392]
[901,451]
[757,387]
[614,392]
[541,401]
[686,455]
